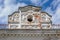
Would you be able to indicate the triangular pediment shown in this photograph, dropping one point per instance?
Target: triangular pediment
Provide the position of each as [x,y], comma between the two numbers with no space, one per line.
[29,7]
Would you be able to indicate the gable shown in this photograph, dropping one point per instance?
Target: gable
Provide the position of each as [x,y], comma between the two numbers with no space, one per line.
[16,12]
[45,13]
[13,17]
[29,7]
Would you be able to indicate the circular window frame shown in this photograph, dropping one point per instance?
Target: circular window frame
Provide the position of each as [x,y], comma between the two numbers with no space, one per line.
[30,17]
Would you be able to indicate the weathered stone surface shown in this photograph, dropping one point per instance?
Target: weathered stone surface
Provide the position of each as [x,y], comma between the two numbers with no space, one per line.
[19,34]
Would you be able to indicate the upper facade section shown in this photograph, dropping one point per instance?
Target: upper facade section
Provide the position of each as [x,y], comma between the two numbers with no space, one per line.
[29,7]
[29,17]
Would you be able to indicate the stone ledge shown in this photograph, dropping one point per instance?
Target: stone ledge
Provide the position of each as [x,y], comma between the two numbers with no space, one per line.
[38,31]
[31,35]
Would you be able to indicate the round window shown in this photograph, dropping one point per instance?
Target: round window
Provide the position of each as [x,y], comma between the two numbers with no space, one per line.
[30,18]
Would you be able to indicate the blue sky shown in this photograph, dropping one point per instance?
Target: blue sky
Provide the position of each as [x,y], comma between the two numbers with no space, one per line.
[7,7]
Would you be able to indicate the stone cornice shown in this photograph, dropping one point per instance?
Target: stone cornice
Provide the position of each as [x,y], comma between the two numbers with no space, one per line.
[19,32]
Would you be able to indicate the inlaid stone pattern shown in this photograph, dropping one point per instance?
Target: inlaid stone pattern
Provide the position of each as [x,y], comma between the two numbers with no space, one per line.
[7,34]
[29,17]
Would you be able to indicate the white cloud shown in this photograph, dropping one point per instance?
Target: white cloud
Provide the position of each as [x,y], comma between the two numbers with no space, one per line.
[55,3]
[56,17]
[56,13]
[34,1]
[38,2]
[43,2]
[8,8]
[1,1]
[49,10]
[9,2]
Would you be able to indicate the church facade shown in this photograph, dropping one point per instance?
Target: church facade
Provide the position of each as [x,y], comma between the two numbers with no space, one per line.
[22,21]
[29,17]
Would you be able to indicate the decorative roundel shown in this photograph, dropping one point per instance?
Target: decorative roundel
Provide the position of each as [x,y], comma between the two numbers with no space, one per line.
[30,18]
